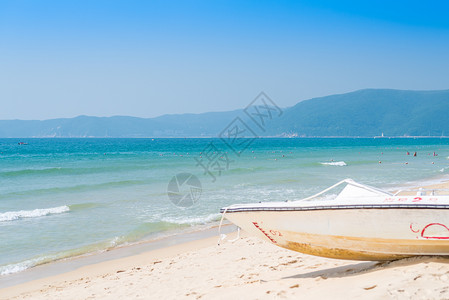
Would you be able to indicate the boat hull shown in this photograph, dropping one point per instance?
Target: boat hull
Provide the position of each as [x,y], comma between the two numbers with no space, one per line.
[354,234]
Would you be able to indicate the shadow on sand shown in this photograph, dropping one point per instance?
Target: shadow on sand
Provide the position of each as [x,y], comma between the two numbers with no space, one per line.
[368,267]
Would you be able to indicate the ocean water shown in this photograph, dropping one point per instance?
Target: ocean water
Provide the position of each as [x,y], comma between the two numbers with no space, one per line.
[67,197]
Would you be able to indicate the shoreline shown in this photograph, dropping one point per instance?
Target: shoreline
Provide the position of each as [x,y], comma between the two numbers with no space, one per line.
[115,265]
[430,182]
[70,264]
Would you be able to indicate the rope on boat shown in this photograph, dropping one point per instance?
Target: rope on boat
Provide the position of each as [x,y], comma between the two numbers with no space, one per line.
[223,236]
[238,236]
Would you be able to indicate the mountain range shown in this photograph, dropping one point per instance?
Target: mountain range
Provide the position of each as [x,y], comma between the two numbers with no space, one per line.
[363,113]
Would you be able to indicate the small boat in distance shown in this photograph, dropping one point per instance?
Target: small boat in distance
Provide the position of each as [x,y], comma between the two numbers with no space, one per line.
[360,223]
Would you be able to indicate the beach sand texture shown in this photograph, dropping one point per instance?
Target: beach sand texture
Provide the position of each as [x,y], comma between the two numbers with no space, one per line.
[247,268]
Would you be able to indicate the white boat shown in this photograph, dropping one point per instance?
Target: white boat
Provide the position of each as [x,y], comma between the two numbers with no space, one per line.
[361,223]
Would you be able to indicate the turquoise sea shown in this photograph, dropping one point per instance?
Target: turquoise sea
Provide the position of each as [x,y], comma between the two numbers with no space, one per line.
[67,197]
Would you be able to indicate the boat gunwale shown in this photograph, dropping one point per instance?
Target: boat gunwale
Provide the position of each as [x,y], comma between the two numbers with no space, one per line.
[230,209]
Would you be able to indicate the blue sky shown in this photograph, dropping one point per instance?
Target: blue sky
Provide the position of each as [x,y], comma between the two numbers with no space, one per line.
[148,58]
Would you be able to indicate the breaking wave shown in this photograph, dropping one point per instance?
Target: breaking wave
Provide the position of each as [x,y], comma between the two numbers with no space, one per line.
[40,212]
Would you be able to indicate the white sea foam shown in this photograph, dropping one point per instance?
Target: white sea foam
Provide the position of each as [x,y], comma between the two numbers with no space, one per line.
[14,268]
[193,220]
[334,163]
[40,212]
[21,266]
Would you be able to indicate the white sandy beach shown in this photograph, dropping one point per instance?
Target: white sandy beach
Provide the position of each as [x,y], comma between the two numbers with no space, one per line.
[245,269]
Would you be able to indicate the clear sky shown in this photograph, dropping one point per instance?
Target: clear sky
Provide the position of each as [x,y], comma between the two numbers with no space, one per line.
[148,58]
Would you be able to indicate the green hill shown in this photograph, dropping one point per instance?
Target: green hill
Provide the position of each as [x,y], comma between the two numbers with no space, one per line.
[369,113]
[366,113]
